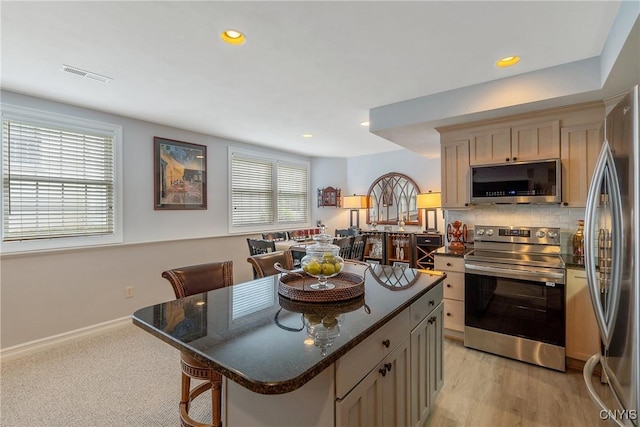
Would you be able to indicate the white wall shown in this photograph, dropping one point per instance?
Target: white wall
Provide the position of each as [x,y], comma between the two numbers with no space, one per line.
[49,293]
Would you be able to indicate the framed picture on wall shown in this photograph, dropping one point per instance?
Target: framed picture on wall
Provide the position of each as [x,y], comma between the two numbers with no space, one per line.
[180,174]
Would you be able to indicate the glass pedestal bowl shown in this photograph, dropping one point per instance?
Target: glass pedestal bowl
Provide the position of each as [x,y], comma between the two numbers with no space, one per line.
[322,261]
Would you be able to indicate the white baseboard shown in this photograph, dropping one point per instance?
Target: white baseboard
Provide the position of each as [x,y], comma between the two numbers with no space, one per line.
[39,345]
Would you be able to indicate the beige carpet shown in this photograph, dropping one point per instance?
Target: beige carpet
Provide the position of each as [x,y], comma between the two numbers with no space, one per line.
[124,377]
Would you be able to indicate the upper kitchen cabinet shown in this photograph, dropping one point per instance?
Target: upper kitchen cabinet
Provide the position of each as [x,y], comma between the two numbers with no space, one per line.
[580,148]
[518,142]
[454,158]
[490,146]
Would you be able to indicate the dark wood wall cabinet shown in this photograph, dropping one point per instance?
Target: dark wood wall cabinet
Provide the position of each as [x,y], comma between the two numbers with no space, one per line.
[396,248]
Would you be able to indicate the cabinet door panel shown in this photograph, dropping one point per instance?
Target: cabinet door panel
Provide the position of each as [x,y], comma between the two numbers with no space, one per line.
[490,146]
[539,141]
[361,407]
[583,337]
[454,286]
[396,387]
[454,158]
[580,146]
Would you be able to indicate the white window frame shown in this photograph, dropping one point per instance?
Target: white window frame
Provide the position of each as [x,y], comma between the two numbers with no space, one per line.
[275,224]
[46,118]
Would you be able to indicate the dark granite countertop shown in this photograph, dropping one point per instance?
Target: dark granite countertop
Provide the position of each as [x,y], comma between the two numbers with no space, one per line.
[246,333]
[571,261]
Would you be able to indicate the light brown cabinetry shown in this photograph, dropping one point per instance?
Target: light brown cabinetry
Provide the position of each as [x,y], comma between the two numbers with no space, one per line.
[582,335]
[393,376]
[524,142]
[453,290]
[454,158]
[580,147]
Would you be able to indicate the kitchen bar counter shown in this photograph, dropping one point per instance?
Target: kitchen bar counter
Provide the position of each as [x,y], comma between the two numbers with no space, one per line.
[259,340]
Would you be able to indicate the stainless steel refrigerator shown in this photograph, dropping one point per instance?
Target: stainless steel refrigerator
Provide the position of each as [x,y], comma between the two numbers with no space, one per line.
[612,262]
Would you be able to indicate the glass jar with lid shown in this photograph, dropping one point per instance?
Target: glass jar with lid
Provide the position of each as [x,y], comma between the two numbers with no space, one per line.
[322,261]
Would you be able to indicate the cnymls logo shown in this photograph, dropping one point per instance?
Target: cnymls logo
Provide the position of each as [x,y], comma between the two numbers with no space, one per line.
[619,414]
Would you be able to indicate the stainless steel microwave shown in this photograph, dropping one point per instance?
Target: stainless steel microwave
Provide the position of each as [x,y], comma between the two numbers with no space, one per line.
[535,182]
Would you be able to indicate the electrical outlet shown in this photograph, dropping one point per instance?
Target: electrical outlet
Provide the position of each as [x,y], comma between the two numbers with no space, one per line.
[128,292]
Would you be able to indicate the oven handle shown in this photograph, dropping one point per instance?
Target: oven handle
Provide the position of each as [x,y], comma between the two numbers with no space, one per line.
[517,274]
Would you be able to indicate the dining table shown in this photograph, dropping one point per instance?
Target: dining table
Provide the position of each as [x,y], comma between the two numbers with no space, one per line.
[262,342]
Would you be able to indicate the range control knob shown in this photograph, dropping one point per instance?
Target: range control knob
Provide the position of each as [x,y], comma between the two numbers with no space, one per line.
[490,232]
[480,232]
[540,234]
[552,234]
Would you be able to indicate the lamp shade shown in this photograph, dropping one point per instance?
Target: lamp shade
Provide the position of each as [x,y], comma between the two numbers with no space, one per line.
[428,200]
[355,202]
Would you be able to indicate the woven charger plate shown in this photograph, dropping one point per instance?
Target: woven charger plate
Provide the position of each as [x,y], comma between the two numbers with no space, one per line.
[298,287]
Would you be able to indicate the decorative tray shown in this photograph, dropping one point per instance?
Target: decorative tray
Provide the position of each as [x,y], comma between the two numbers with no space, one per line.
[297,286]
[323,308]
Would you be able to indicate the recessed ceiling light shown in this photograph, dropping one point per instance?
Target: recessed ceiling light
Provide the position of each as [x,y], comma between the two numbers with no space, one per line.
[307,135]
[233,37]
[364,124]
[508,61]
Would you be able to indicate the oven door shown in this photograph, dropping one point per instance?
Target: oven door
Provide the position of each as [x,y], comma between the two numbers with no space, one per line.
[516,300]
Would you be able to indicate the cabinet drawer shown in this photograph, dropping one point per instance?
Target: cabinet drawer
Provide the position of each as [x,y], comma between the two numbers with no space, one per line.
[454,286]
[425,305]
[449,263]
[454,315]
[429,240]
[356,364]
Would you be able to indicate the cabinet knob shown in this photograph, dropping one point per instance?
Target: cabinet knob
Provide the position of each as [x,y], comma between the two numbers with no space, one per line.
[383,371]
[388,366]
[432,302]
[386,343]
[448,285]
[506,160]
[431,320]
[448,264]
[515,158]
[449,314]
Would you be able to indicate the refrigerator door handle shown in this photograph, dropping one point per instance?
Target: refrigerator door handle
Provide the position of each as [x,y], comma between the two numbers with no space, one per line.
[587,373]
[605,311]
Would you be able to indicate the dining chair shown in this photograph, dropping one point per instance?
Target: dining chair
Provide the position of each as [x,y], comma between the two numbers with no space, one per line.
[357,248]
[276,236]
[344,243]
[346,232]
[263,263]
[260,246]
[188,281]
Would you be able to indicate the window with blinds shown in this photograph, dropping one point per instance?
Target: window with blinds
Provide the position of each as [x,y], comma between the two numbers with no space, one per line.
[57,180]
[266,192]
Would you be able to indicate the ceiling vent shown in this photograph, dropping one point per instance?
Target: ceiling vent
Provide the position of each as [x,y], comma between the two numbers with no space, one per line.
[87,74]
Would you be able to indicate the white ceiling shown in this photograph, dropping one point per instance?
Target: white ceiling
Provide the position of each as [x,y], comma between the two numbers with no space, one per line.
[308,67]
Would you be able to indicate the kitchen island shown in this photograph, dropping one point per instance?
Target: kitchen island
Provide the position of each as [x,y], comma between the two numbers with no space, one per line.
[372,360]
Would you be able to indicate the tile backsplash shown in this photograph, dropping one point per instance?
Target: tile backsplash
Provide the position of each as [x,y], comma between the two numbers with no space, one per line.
[522,215]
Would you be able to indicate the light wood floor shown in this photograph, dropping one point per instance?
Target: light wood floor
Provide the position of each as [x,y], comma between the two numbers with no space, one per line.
[482,389]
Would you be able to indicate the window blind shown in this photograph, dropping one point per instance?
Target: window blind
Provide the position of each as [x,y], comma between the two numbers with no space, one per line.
[56,182]
[292,193]
[251,299]
[251,191]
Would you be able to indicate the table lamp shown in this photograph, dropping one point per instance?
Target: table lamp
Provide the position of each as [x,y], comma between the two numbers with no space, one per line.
[430,202]
[355,203]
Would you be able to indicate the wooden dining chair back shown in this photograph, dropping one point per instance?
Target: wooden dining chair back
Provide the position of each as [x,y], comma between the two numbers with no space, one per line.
[188,281]
[260,246]
[346,232]
[263,263]
[357,248]
[344,243]
[276,236]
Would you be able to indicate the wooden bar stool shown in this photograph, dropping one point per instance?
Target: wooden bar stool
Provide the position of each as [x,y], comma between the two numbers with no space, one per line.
[187,281]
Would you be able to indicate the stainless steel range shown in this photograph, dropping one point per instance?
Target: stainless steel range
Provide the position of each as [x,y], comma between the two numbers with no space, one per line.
[515,294]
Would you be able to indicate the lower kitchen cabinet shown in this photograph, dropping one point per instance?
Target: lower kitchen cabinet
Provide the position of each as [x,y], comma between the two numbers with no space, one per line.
[427,365]
[382,397]
[392,377]
[582,335]
[453,293]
